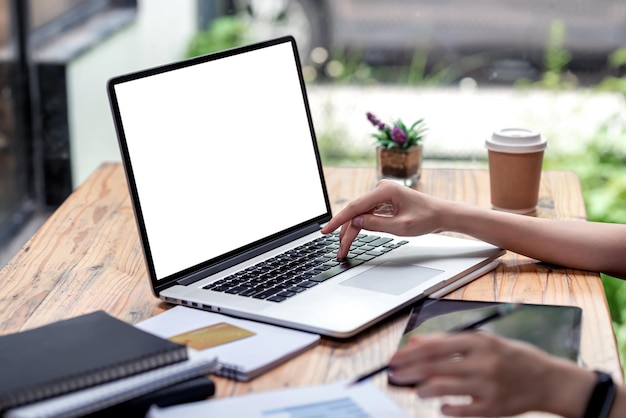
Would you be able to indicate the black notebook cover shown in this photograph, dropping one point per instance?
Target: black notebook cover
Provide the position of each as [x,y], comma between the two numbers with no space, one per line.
[77,353]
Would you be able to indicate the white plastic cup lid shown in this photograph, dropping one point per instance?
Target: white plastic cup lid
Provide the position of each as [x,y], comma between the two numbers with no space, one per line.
[516,141]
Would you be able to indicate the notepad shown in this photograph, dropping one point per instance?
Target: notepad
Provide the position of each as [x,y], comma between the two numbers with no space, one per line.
[244,349]
[96,398]
[77,353]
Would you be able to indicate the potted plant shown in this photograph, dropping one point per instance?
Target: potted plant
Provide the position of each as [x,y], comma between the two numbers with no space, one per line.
[399,150]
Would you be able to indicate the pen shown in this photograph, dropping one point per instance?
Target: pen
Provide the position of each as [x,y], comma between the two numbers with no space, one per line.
[499,312]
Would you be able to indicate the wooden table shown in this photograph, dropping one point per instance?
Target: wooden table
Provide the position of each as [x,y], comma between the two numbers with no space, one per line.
[87,256]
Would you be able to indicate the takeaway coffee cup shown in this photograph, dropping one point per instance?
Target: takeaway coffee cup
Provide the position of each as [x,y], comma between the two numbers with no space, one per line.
[515,160]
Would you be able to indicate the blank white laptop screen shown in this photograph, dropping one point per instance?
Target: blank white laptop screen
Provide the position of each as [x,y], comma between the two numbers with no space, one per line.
[212,147]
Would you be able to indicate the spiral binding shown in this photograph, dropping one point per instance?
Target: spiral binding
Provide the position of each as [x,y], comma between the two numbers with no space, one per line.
[230,371]
[94,377]
[98,397]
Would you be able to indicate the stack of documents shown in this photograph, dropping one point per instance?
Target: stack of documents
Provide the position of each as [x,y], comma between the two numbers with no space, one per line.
[84,364]
[96,398]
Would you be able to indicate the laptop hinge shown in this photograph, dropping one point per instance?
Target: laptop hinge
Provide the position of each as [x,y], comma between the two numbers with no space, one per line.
[215,268]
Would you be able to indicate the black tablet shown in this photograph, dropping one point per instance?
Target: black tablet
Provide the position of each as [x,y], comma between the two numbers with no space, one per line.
[553,328]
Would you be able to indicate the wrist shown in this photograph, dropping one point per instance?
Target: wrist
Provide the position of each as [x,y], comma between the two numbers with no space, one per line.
[566,389]
[461,217]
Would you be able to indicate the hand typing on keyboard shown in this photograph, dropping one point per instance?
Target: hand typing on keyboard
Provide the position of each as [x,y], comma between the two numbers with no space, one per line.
[391,208]
[294,271]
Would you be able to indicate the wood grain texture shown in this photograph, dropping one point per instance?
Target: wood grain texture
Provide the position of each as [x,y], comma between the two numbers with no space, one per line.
[87,256]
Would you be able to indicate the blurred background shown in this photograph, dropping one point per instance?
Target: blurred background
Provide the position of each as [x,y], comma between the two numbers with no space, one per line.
[467,68]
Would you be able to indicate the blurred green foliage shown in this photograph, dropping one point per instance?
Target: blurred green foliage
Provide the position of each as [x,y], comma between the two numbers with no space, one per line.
[616,62]
[555,62]
[224,32]
[602,172]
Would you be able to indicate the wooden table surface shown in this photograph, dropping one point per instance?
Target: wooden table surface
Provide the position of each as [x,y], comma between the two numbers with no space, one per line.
[87,256]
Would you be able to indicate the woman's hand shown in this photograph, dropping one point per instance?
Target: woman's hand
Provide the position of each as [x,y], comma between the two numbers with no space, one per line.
[390,208]
[498,377]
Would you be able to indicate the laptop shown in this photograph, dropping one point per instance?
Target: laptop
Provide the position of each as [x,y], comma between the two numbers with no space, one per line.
[229,196]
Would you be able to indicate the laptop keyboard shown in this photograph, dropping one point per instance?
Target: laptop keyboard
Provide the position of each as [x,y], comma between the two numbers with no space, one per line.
[299,269]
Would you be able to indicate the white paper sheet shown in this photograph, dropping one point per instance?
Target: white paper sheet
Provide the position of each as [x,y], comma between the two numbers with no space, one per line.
[335,400]
[242,359]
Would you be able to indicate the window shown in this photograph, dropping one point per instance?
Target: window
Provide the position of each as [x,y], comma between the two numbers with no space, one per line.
[34,169]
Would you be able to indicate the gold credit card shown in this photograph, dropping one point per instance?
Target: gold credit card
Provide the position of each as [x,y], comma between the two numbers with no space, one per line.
[211,336]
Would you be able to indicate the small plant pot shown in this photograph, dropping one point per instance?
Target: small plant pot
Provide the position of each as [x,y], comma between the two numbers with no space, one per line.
[403,166]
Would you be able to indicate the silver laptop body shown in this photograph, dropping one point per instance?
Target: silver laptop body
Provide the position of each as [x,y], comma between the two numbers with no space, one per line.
[224,173]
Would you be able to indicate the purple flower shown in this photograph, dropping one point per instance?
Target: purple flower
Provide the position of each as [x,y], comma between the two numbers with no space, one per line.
[374,120]
[398,135]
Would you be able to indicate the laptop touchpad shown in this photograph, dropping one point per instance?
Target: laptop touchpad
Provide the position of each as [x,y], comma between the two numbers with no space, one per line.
[392,278]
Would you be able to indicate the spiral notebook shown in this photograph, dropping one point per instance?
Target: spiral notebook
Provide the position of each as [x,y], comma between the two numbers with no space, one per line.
[76,353]
[244,349]
[96,398]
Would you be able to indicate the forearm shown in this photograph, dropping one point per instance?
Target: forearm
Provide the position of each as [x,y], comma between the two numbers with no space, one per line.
[589,246]
[566,389]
